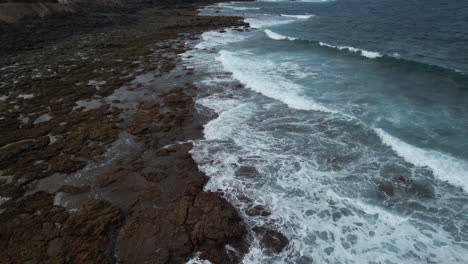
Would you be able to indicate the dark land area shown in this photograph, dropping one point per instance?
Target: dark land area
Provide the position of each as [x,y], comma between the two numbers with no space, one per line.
[96,118]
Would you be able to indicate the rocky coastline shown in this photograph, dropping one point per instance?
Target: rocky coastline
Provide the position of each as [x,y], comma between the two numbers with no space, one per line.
[96,123]
[94,154]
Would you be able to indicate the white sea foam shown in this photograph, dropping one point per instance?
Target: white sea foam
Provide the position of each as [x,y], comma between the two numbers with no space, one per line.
[302,204]
[270,21]
[240,8]
[267,21]
[445,167]
[309,1]
[302,197]
[260,76]
[362,52]
[197,260]
[213,39]
[298,16]
[277,36]
[26,96]
[244,8]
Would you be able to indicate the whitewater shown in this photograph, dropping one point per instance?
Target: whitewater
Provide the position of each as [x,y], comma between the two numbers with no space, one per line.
[359,155]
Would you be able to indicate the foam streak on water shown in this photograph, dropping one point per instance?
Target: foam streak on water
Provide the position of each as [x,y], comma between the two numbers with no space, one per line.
[365,53]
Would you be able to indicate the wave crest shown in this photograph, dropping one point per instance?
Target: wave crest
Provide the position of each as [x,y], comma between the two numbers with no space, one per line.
[298,16]
[445,167]
[277,36]
[362,52]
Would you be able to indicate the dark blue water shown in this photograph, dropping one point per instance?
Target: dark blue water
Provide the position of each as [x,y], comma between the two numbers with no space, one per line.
[355,118]
[429,31]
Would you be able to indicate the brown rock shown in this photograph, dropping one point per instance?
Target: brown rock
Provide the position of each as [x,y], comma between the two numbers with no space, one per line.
[113,176]
[162,152]
[150,105]
[74,189]
[87,235]
[214,223]
[258,210]
[65,164]
[270,240]
[27,225]
[156,176]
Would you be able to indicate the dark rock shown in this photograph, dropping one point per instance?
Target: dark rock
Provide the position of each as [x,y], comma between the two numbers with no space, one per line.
[74,189]
[270,240]
[113,176]
[258,210]
[387,188]
[420,190]
[156,176]
[87,235]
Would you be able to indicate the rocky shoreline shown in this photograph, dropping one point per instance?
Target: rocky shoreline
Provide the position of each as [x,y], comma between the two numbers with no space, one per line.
[94,155]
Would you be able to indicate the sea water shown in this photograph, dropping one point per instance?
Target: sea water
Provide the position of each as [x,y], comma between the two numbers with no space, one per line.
[354,117]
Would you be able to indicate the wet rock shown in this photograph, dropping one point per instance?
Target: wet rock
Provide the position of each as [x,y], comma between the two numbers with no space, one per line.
[270,240]
[53,248]
[213,218]
[157,230]
[421,190]
[186,164]
[26,226]
[156,176]
[403,179]
[214,223]
[70,189]
[258,210]
[113,176]
[386,188]
[162,152]
[65,164]
[150,105]
[12,152]
[403,187]
[87,235]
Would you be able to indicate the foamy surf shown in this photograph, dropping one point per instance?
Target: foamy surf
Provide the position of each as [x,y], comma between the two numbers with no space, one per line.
[213,39]
[261,77]
[298,16]
[319,174]
[234,7]
[306,1]
[277,36]
[267,21]
[324,227]
[362,52]
[444,166]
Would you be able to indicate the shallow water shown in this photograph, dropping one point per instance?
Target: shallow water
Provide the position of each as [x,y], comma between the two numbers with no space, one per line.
[355,125]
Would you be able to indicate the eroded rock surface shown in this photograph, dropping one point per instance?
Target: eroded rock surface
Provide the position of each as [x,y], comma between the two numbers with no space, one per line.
[33,230]
[60,119]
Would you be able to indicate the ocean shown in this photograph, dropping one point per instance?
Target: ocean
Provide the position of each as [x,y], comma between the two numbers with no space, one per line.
[351,124]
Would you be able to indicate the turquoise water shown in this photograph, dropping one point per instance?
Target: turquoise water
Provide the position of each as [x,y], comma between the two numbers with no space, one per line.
[355,120]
